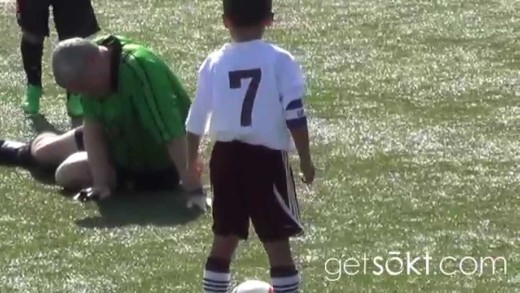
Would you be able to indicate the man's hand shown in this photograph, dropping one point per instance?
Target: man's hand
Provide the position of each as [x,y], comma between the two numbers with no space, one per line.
[308,172]
[93,194]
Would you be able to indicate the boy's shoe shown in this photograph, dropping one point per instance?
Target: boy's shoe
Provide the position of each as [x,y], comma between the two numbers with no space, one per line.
[32,100]
[74,107]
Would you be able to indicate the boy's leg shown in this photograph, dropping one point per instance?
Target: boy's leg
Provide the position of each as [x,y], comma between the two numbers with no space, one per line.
[74,19]
[217,273]
[284,275]
[230,218]
[271,186]
[33,18]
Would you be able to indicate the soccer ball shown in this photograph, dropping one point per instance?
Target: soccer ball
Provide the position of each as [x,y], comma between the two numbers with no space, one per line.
[254,286]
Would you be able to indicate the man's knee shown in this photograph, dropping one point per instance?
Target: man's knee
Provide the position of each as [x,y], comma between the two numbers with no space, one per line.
[74,172]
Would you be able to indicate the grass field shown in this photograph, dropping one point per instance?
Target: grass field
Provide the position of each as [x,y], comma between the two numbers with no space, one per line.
[415,118]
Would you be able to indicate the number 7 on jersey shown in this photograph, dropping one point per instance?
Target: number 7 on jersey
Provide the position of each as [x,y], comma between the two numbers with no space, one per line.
[235,82]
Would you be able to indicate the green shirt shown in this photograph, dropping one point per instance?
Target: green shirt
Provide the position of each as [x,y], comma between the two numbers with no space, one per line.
[146,110]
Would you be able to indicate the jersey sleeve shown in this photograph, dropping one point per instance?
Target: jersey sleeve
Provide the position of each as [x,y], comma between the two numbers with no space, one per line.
[291,85]
[201,107]
[153,96]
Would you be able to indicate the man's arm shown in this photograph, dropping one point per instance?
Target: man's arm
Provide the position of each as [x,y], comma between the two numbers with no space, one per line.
[177,151]
[163,113]
[103,175]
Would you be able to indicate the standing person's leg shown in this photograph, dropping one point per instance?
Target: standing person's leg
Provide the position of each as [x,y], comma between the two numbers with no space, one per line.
[33,18]
[230,217]
[275,213]
[74,19]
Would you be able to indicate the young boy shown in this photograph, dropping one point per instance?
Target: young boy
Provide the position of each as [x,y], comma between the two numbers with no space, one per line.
[253,91]
[72,19]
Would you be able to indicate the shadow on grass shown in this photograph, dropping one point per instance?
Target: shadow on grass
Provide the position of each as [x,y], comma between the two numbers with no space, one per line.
[43,175]
[156,209]
[40,124]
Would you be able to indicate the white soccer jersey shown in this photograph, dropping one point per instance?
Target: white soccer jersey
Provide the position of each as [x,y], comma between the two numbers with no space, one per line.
[250,92]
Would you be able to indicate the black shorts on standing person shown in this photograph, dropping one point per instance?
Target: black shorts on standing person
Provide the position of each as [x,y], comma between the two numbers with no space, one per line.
[72,18]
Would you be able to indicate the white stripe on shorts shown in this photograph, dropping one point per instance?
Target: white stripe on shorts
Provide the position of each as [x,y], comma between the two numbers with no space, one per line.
[291,189]
[291,207]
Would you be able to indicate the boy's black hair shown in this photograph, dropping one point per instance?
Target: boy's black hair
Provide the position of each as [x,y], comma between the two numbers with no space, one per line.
[247,13]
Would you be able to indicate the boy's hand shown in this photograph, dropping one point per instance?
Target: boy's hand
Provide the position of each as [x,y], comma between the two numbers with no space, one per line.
[308,172]
[198,198]
[196,168]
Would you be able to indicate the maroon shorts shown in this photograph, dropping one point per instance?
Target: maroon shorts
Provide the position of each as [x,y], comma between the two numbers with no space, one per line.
[253,182]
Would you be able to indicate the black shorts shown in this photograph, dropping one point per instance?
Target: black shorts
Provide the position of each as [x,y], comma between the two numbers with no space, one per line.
[253,182]
[73,18]
[128,180]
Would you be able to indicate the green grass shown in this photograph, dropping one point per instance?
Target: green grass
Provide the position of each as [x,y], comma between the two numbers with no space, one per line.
[414,108]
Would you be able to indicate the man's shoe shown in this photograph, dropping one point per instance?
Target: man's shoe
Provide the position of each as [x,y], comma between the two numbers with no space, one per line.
[74,107]
[13,153]
[31,105]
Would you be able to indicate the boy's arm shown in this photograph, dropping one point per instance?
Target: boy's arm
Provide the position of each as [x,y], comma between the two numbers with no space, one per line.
[193,149]
[292,88]
[198,115]
[297,124]
[196,126]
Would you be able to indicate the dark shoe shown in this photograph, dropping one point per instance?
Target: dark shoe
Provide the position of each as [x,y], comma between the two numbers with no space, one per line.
[15,153]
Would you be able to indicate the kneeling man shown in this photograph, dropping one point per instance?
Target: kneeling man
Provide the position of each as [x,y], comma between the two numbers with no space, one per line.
[133,131]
